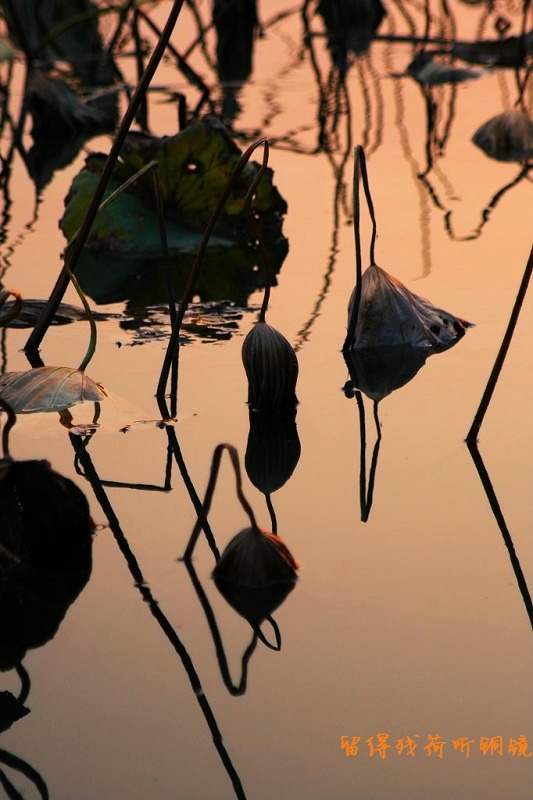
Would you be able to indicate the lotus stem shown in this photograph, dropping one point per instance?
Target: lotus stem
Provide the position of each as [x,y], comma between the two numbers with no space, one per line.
[73,255]
[255,229]
[360,173]
[6,430]
[188,293]
[17,305]
[215,466]
[473,433]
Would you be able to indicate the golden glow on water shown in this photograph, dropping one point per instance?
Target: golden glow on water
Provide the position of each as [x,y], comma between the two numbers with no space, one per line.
[411,624]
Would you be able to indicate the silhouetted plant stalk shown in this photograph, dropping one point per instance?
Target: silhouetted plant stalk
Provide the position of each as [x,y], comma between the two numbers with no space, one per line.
[502,354]
[172,352]
[6,429]
[269,359]
[155,608]
[502,525]
[15,308]
[360,173]
[72,255]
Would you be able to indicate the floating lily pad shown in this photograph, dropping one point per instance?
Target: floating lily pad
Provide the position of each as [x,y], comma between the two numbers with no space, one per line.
[48,389]
[194,168]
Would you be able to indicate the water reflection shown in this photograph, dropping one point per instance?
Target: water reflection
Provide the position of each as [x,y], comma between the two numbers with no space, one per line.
[83,457]
[376,372]
[502,525]
[236,24]
[46,544]
[272,454]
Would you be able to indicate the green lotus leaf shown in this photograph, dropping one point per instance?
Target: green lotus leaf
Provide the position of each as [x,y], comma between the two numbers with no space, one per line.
[48,389]
[194,169]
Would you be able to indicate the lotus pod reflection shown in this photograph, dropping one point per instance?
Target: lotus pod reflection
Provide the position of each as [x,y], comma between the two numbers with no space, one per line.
[255,573]
[273,450]
[271,368]
[390,315]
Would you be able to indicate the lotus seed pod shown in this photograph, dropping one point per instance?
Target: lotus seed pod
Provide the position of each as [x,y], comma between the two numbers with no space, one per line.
[257,559]
[271,368]
[255,574]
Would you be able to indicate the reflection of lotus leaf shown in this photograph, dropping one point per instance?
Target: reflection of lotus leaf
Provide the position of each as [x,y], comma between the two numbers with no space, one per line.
[45,554]
[506,137]
[48,389]
[378,371]
[390,316]
[228,273]
[194,169]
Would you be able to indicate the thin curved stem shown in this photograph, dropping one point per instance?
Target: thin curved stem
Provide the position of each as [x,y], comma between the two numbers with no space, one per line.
[73,255]
[188,293]
[215,466]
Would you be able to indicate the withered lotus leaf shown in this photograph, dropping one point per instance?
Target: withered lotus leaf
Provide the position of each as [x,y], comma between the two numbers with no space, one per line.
[390,315]
[271,368]
[48,389]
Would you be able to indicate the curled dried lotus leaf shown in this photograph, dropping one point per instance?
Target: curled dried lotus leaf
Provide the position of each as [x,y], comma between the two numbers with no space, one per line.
[256,559]
[390,316]
[271,368]
[48,389]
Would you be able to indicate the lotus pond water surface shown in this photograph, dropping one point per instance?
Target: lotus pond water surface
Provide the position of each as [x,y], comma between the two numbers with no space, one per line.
[404,664]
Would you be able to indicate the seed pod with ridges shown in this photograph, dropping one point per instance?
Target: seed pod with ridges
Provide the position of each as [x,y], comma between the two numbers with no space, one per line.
[257,559]
[271,368]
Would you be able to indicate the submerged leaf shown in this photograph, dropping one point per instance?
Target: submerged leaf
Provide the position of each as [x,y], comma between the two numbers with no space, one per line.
[390,315]
[506,137]
[48,389]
